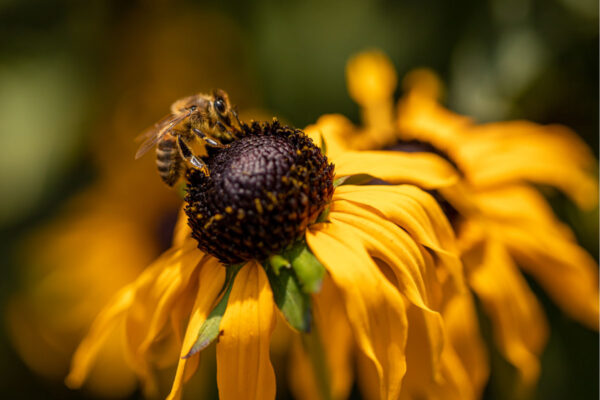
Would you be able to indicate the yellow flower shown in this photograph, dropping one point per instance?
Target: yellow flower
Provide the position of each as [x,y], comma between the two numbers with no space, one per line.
[500,218]
[379,263]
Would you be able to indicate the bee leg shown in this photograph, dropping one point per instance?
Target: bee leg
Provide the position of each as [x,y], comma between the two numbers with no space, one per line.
[186,154]
[208,140]
[237,118]
[224,129]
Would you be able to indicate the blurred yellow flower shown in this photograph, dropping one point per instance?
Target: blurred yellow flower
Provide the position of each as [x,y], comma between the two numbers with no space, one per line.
[500,218]
[384,290]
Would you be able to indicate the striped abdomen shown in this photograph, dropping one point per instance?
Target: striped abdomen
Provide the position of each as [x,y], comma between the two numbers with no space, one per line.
[168,159]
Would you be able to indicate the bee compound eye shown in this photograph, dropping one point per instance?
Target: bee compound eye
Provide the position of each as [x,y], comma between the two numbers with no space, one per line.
[220,106]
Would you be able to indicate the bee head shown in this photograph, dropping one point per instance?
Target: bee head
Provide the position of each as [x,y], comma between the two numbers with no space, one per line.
[221,102]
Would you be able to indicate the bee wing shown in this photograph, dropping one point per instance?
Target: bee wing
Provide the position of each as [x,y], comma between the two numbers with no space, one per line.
[152,135]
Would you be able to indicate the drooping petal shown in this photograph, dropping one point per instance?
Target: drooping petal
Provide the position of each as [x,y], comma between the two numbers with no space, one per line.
[392,246]
[434,171]
[244,369]
[374,307]
[386,241]
[520,329]
[110,319]
[544,247]
[106,322]
[336,336]
[462,331]
[150,311]
[415,211]
[210,282]
[566,271]
[518,151]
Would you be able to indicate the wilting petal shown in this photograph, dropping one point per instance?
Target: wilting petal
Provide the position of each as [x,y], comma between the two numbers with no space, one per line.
[564,269]
[151,309]
[392,246]
[210,282]
[106,322]
[386,241]
[434,171]
[244,369]
[336,337]
[374,307]
[166,289]
[462,332]
[520,329]
[506,152]
[415,211]
[110,319]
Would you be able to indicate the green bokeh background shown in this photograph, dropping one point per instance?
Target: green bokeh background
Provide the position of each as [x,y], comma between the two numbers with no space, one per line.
[500,59]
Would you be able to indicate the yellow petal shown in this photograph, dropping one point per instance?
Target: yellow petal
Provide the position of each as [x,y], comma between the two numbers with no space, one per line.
[520,329]
[564,269]
[301,373]
[371,78]
[374,307]
[211,279]
[244,370]
[423,353]
[545,247]
[422,118]
[424,82]
[182,229]
[515,151]
[106,322]
[386,241]
[415,211]
[462,332]
[166,289]
[425,170]
[336,337]
[337,132]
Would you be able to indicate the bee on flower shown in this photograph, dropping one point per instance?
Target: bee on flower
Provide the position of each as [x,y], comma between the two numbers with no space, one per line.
[272,231]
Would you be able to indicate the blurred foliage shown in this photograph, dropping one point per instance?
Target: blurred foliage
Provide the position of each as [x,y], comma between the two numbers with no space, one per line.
[79,80]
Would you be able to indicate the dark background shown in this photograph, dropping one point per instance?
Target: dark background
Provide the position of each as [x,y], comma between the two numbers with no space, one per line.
[66,66]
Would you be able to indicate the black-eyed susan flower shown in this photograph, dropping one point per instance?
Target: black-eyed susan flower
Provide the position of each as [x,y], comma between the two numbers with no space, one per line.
[501,220]
[277,230]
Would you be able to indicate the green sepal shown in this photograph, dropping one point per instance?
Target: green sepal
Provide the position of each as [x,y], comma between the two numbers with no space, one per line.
[209,330]
[323,144]
[294,304]
[324,216]
[277,262]
[308,268]
[358,179]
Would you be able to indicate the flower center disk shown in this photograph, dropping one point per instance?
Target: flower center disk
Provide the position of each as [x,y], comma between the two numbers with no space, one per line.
[264,189]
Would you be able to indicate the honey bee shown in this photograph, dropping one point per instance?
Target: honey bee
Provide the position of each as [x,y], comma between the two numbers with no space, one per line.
[208,118]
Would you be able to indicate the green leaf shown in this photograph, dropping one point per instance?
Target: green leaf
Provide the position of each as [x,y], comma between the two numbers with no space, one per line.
[293,303]
[308,268]
[209,330]
[358,179]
